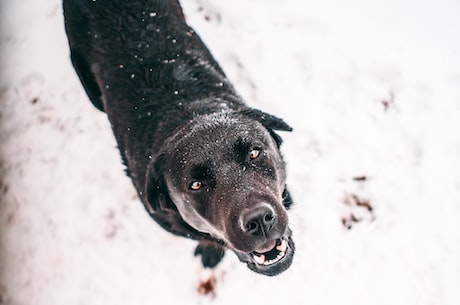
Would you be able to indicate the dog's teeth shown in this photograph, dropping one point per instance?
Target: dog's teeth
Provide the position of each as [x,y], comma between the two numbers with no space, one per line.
[259,259]
[282,247]
[282,252]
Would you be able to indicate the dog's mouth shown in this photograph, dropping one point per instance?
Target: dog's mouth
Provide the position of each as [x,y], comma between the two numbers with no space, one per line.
[272,258]
[271,253]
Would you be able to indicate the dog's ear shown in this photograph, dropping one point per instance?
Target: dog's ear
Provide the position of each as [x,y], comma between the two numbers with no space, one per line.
[269,121]
[287,199]
[155,193]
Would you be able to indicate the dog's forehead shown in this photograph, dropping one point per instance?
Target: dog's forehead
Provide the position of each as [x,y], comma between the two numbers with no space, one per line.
[216,136]
[222,130]
[228,123]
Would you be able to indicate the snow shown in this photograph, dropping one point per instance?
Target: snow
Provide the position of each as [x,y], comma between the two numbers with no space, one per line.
[372,89]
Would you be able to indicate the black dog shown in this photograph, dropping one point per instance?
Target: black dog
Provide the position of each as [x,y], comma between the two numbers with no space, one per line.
[205,165]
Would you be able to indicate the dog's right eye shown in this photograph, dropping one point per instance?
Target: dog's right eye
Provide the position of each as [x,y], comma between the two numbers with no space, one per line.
[254,153]
[196,185]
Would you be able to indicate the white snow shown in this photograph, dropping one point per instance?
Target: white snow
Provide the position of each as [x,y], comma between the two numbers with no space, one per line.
[73,232]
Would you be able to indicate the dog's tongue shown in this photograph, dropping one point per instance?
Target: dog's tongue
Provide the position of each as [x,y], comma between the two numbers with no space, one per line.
[269,245]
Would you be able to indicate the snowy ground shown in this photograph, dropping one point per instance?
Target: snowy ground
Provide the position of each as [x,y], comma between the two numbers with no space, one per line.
[372,89]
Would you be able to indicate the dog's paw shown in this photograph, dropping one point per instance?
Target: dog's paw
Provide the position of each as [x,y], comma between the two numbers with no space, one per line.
[211,253]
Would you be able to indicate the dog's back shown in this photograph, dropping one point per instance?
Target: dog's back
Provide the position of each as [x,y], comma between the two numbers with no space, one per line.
[129,49]
[140,62]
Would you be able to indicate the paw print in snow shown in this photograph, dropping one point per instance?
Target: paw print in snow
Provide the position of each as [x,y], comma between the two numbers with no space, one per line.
[357,210]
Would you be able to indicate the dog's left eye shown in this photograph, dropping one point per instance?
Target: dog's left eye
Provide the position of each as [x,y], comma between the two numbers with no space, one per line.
[196,185]
[254,153]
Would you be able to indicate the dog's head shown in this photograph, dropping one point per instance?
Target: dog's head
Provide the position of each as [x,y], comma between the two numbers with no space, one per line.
[225,175]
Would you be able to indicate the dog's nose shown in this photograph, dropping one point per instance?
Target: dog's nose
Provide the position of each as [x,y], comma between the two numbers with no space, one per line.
[259,220]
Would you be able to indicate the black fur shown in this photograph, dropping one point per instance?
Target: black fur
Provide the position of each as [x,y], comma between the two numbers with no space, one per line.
[178,120]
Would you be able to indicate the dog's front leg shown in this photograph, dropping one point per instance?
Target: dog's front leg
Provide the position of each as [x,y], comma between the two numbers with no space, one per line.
[211,253]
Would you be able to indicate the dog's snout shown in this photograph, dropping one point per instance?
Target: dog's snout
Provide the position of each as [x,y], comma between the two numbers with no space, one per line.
[259,220]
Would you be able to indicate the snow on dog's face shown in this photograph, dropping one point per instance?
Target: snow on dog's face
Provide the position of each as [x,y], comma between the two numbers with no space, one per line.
[226,177]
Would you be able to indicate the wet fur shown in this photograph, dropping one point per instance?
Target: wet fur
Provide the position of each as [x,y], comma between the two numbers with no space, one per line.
[139,62]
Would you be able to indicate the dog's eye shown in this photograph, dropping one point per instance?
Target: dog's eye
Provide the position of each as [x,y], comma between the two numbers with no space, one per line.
[254,153]
[196,185]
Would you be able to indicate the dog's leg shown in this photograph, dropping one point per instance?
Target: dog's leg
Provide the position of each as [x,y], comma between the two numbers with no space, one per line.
[78,29]
[87,79]
[211,253]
